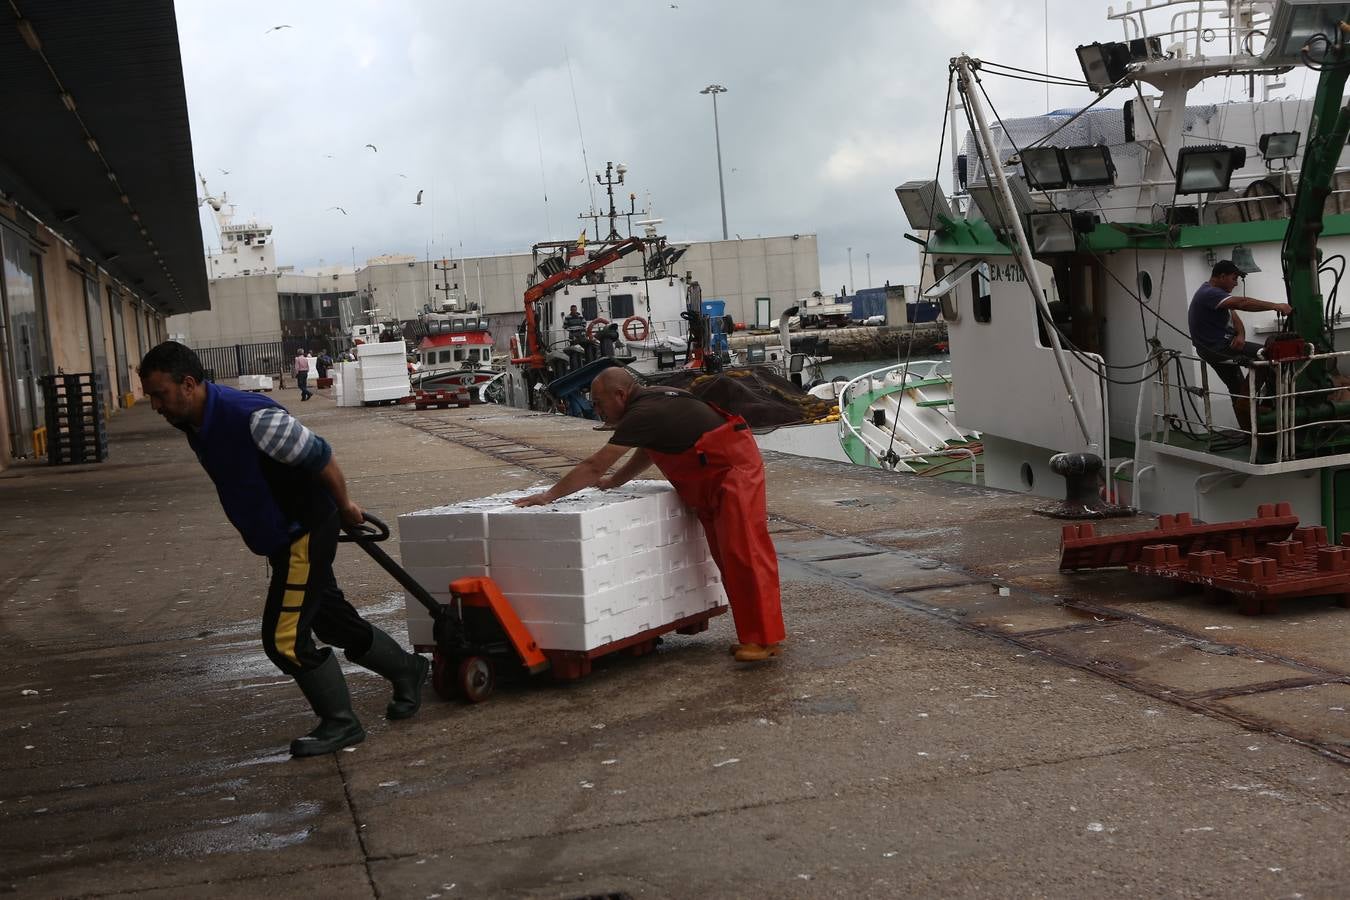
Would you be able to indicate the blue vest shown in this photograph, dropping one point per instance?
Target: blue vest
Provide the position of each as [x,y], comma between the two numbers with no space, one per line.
[269,503]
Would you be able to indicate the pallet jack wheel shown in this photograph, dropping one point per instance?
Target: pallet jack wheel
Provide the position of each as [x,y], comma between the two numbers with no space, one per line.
[475,679]
[443,671]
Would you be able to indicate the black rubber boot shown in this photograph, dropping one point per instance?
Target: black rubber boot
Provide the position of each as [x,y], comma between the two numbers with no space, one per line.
[406,671]
[326,691]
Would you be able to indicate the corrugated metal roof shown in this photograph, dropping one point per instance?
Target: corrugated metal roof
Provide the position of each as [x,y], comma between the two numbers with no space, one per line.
[120,63]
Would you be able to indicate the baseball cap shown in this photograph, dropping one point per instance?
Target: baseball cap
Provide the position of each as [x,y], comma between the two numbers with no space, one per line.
[1226,267]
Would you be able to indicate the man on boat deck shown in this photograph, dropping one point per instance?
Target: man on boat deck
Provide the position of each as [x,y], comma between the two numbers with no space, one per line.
[575,323]
[1219,336]
[712,460]
[282,489]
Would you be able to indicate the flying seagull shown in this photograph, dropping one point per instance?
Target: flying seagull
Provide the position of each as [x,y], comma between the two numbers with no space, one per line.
[328,156]
[373,147]
[224,171]
[275,28]
[339,209]
[418,201]
[400,175]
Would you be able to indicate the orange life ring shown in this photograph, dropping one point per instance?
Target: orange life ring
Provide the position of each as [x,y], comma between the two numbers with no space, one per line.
[635,328]
[595,323]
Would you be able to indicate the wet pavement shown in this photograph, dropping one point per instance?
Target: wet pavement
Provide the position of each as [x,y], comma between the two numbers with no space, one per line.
[954,716]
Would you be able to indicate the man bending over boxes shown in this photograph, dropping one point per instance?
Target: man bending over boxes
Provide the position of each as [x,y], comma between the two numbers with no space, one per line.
[283,491]
[712,460]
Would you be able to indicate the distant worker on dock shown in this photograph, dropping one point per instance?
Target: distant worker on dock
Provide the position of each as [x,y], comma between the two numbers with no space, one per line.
[1219,336]
[282,489]
[712,460]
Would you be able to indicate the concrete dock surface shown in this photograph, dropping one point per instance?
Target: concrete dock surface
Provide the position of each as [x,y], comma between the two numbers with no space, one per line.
[927,734]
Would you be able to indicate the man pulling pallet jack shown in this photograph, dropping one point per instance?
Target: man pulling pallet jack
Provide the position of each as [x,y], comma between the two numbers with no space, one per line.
[282,489]
[712,460]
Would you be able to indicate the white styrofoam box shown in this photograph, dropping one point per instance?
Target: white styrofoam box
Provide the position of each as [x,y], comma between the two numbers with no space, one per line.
[585,515]
[452,552]
[381,348]
[455,521]
[685,554]
[419,620]
[665,493]
[691,578]
[255,382]
[681,529]
[590,635]
[691,602]
[542,554]
[577,580]
[392,381]
[378,394]
[436,579]
[588,608]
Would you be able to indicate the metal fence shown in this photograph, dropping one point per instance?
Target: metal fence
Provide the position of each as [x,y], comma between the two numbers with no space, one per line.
[266,358]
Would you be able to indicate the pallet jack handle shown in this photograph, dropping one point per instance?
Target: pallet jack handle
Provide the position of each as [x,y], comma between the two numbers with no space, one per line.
[372,531]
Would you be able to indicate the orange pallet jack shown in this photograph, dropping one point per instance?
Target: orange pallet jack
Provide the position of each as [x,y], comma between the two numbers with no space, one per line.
[479,634]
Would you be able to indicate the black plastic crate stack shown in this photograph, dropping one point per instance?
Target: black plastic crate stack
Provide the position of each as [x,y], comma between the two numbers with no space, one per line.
[77,428]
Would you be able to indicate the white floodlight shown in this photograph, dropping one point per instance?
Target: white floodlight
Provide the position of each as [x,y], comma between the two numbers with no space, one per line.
[924,204]
[1103,64]
[1051,232]
[1294,23]
[982,192]
[1044,168]
[1090,166]
[1207,169]
[1279,144]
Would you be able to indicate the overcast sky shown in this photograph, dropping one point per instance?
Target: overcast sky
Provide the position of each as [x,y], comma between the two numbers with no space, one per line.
[829,106]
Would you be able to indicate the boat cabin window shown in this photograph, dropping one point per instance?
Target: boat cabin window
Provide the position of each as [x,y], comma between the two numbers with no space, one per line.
[445,356]
[979,289]
[589,308]
[620,306]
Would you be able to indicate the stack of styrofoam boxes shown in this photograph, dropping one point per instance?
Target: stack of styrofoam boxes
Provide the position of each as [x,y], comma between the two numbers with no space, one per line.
[585,571]
[255,382]
[382,371]
[346,386]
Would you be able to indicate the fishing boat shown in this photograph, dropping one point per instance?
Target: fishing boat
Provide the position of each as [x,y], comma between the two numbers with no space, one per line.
[455,351]
[1068,252]
[614,299]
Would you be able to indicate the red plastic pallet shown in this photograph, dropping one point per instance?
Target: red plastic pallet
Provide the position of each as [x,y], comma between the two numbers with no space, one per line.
[441,399]
[569,665]
[1081,548]
[1260,576]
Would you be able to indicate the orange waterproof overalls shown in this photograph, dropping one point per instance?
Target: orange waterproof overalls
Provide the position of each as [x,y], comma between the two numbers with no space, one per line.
[722,478]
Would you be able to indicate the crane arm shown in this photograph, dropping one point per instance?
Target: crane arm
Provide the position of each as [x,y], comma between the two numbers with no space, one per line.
[534,356]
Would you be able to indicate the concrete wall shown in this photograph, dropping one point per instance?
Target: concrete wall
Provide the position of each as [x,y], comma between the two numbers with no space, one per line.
[243,310]
[784,269]
[61,286]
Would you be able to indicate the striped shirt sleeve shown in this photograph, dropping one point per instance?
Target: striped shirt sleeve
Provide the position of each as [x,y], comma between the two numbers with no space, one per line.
[281,436]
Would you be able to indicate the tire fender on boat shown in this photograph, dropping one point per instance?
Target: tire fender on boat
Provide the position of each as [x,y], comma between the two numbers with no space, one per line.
[595,323]
[635,328]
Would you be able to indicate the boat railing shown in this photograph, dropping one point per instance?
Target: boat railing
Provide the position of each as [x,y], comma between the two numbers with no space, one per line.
[1198,27]
[1185,413]
[877,379]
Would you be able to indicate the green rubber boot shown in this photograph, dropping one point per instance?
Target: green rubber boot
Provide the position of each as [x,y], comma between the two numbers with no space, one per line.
[326,691]
[406,671]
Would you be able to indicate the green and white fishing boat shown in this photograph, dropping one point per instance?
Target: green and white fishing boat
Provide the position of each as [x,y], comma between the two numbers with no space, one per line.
[1067,255]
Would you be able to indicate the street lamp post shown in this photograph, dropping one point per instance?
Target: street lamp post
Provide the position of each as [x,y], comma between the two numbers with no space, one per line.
[716,89]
